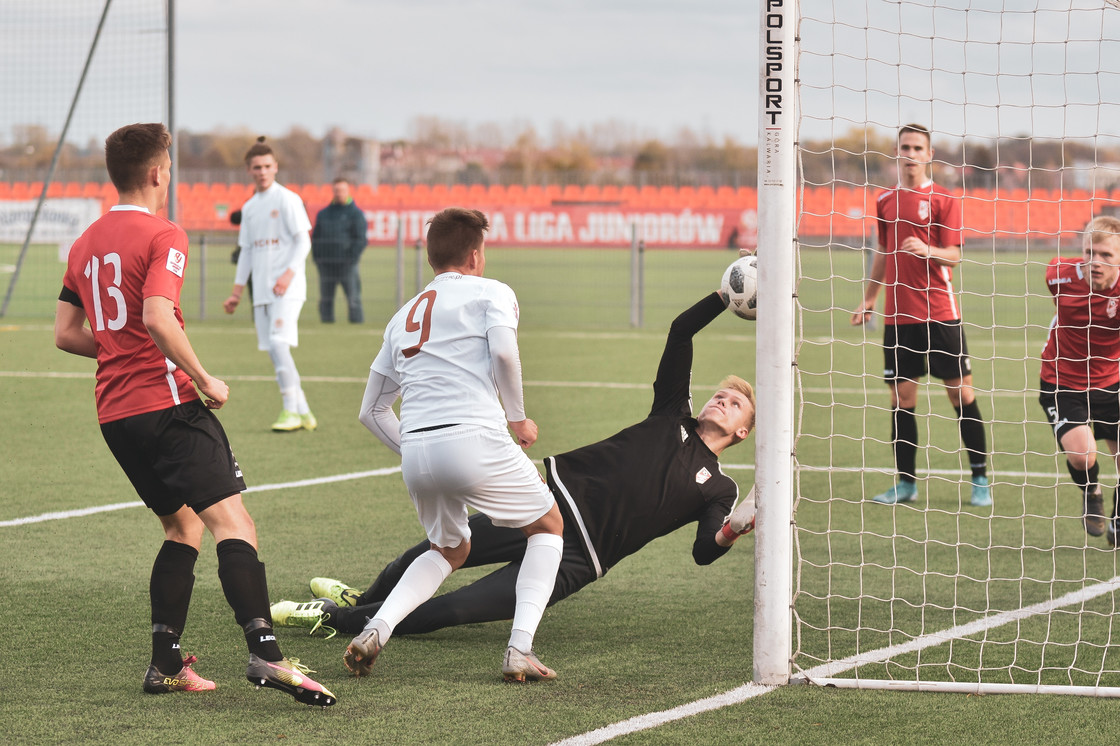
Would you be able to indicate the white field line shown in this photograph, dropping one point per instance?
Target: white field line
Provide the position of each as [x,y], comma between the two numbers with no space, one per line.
[828,670]
[878,391]
[79,512]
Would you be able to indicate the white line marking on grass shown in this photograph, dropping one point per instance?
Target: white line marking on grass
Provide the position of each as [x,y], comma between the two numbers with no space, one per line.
[654,719]
[749,691]
[79,512]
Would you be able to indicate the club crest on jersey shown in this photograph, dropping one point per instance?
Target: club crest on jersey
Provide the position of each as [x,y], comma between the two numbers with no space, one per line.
[703,475]
[1112,304]
[684,434]
[923,209]
[274,214]
[176,262]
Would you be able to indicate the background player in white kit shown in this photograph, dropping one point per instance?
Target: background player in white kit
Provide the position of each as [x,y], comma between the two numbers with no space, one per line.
[274,242]
[448,354]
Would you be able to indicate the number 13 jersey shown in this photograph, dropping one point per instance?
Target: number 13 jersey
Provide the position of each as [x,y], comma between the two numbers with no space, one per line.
[128,255]
[436,349]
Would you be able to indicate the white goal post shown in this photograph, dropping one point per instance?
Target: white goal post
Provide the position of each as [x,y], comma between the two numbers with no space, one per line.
[934,594]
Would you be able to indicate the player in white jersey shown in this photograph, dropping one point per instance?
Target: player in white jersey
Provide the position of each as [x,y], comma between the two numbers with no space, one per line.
[275,240]
[449,354]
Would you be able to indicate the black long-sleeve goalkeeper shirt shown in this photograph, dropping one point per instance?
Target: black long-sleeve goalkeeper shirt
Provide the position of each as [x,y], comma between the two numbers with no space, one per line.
[653,477]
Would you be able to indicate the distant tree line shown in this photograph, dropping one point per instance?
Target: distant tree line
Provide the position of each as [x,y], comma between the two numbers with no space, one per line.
[439,150]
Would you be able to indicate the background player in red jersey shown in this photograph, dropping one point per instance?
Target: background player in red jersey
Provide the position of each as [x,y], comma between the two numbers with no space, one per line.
[1081,363]
[919,244]
[124,275]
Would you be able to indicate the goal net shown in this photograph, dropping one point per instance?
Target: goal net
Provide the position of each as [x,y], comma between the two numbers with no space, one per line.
[936,593]
[83,68]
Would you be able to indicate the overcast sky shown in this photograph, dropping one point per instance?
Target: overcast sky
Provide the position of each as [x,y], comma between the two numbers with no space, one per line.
[371,67]
[654,66]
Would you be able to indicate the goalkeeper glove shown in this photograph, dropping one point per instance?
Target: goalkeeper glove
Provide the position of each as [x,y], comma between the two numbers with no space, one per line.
[741,520]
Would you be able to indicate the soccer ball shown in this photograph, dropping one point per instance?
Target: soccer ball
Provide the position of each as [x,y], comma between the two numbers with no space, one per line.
[739,287]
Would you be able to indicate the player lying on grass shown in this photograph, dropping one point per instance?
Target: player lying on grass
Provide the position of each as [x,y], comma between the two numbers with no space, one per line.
[616,495]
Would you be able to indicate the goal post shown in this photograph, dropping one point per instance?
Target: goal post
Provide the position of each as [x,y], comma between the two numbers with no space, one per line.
[934,594]
[777,178]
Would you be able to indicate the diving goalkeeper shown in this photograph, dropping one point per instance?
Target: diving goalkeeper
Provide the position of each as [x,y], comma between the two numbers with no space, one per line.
[616,496]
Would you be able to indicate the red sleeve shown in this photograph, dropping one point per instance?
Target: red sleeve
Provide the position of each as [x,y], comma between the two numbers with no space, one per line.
[167,264]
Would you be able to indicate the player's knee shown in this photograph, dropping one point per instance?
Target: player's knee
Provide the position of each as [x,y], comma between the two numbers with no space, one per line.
[1081,461]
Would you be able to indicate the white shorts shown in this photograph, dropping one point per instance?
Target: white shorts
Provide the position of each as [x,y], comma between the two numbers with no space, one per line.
[455,468]
[277,321]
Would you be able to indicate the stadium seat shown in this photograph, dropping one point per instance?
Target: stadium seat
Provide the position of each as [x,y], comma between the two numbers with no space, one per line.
[72,189]
[439,194]
[496,194]
[610,193]
[515,194]
[535,196]
[5,190]
[572,193]
[592,193]
[91,189]
[457,194]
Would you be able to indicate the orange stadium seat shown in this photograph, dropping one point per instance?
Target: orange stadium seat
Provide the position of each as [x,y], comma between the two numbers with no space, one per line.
[476,195]
[535,196]
[457,194]
[515,194]
[496,194]
[421,194]
[439,193]
[628,194]
[572,193]
[91,189]
[610,193]
[553,192]
[705,196]
[5,190]
[72,189]
[54,189]
[21,190]
[592,193]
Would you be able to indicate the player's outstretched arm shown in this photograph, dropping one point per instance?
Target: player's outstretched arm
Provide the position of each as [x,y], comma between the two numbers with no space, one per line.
[163,326]
[70,331]
[739,523]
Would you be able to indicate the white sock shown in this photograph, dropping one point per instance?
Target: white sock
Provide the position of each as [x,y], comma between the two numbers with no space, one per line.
[418,583]
[535,582]
[286,376]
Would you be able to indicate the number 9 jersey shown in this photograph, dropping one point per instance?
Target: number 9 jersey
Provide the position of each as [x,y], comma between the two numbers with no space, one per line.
[128,255]
[436,349]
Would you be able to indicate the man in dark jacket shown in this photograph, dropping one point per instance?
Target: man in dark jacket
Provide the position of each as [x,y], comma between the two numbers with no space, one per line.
[337,242]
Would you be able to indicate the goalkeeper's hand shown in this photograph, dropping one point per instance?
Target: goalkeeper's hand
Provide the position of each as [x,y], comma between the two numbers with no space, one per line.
[741,520]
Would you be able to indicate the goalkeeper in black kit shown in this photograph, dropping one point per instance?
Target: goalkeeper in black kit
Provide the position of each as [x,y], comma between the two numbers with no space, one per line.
[616,496]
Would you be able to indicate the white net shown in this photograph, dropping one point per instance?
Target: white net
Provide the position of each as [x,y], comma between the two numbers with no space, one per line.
[45,49]
[1021,98]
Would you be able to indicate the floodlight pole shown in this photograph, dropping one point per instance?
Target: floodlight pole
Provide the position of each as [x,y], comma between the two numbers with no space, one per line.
[54,161]
[775,351]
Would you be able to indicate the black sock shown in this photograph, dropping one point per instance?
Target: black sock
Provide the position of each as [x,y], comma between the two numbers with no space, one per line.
[243,582]
[972,436]
[904,434]
[170,590]
[1086,479]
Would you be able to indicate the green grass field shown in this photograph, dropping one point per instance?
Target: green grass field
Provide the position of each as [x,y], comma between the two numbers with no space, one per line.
[658,632]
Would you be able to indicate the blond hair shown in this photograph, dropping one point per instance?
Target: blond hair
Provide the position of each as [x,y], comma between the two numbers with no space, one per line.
[1102,228]
[738,384]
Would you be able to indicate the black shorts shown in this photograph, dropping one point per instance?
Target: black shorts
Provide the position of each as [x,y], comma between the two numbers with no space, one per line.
[175,457]
[1098,408]
[906,347]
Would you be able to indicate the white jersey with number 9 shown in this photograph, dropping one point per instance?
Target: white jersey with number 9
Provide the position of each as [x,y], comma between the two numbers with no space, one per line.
[435,348]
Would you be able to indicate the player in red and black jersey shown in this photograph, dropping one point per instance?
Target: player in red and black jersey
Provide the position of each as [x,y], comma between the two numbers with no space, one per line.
[1080,380]
[617,495]
[124,276]
[920,242]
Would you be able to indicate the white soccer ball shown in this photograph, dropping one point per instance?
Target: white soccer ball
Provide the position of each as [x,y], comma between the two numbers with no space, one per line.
[739,286]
